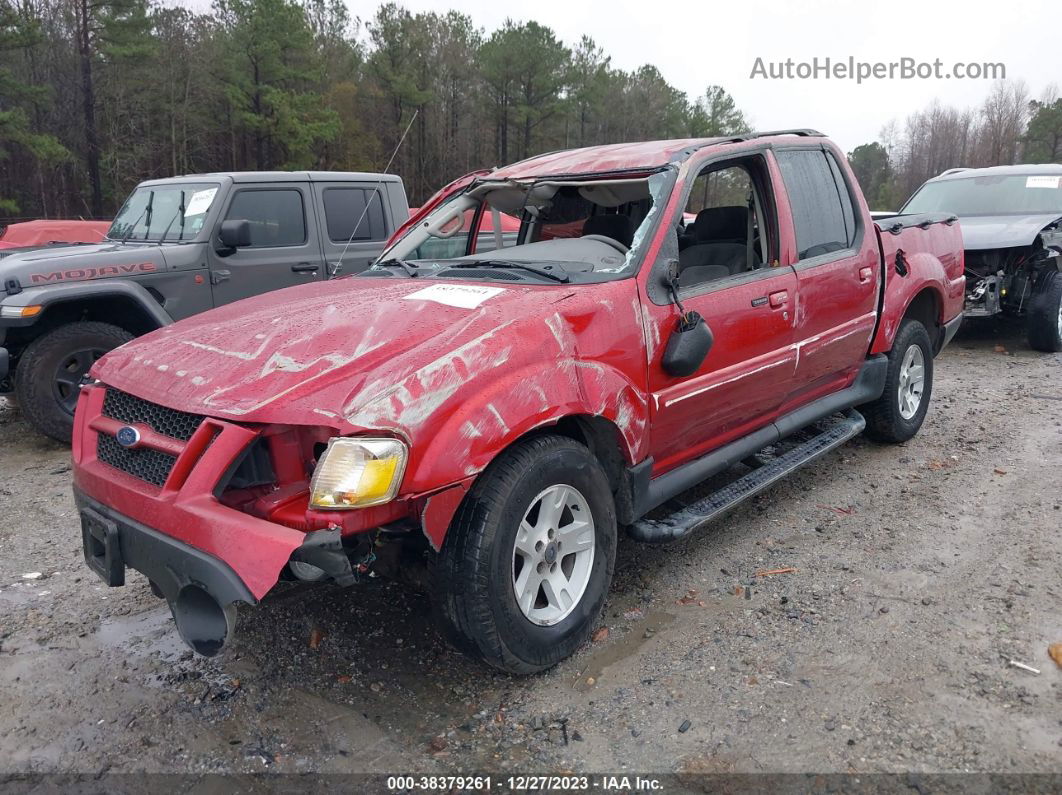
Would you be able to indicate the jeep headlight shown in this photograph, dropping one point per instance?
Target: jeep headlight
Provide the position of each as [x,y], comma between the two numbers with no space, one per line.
[356,473]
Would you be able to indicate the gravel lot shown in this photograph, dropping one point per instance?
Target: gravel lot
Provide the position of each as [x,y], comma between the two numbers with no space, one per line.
[921,571]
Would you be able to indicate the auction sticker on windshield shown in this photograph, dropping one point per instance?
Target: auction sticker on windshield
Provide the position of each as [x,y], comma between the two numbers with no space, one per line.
[463,296]
[200,202]
[1043,182]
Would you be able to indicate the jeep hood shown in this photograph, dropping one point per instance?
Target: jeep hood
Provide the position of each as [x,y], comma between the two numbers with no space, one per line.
[350,354]
[982,232]
[81,262]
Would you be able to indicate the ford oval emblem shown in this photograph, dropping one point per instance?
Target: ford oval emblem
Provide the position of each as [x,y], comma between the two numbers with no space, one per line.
[127,436]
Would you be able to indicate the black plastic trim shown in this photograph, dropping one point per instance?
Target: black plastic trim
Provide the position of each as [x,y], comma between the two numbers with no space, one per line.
[5,363]
[170,564]
[951,328]
[868,386]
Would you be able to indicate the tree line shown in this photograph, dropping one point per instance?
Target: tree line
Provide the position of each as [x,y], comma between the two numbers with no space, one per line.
[1007,128]
[97,95]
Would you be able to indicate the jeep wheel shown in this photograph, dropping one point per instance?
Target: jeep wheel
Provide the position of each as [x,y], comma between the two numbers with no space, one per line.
[1045,314]
[528,560]
[50,370]
[897,415]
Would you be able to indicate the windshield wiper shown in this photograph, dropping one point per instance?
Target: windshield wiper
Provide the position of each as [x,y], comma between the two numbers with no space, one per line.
[401,263]
[180,212]
[145,211]
[505,263]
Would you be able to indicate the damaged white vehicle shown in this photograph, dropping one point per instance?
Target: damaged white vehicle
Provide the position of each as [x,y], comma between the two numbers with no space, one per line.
[1011,218]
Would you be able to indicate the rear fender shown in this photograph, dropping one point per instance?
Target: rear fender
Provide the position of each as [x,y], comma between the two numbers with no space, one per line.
[933,261]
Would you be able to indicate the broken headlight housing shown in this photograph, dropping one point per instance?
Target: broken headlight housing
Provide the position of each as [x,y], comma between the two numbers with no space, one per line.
[357,473]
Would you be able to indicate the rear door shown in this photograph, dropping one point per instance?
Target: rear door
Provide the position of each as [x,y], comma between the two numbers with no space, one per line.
[837,265]
[355,223]
[284,249]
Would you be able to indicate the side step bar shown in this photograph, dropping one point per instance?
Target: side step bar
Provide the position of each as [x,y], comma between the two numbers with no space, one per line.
[695,515]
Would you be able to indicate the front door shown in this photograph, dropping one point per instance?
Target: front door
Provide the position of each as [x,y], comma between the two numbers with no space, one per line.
[283,251]
[727,275]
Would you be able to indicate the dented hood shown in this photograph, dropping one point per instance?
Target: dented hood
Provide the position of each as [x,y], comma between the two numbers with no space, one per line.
[331,353]
[980,232]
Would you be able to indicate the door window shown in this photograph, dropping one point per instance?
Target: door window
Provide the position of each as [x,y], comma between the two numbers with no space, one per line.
[347,217]
[824,222]
[276,216]
[723,232]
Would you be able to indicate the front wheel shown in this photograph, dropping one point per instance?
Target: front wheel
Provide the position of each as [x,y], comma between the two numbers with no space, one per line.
[1045,314]
[49,373]
[897,415]
[528,559]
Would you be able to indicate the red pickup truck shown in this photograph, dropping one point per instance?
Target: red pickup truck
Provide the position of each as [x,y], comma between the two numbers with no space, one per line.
[503,413]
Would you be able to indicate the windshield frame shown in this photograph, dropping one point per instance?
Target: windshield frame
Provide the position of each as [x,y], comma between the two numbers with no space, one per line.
[907,208]
[158,223]
[661,182]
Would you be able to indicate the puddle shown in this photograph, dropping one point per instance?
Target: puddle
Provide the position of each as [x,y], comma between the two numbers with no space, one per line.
[148,634]
[630,644]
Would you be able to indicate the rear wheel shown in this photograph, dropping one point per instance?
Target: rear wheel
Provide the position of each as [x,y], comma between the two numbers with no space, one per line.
[528,559]
[897,415]
[1045,314]
[49,373]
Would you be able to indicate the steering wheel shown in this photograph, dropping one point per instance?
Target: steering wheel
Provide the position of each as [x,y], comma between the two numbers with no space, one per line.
[622,249]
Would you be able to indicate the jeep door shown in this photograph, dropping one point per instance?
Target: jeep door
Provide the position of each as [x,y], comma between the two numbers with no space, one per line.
[356,222]
[285,249]
[730,276]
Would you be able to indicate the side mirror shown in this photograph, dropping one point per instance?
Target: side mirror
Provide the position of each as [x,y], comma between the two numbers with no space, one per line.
[235,234]
[688,346]
[690,342]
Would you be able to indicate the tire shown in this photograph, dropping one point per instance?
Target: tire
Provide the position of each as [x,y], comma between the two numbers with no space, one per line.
[1045,314]
[50,370]
[475,582]
[890,418]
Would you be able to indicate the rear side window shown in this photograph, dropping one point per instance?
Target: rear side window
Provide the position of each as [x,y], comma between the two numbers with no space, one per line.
[277,217]
[818,212]
[347,218]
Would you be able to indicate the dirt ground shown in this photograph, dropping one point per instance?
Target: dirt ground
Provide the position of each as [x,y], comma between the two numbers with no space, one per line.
[921,571]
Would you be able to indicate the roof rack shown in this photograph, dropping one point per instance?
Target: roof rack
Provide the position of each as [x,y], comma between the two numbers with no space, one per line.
[952,171]
[803,132]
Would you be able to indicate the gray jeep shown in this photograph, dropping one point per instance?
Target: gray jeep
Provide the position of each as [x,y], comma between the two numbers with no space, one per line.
[178,247]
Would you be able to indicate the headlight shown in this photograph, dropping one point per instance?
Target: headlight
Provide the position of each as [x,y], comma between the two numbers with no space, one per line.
[355,473]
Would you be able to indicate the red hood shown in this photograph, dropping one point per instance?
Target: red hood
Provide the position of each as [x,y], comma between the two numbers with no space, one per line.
[348,354]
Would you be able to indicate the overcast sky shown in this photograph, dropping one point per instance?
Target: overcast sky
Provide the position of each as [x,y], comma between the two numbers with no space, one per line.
[696,44]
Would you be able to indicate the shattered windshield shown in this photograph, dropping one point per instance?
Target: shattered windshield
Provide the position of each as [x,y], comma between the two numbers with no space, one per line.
[164,212]
[1016,194]
[541,230]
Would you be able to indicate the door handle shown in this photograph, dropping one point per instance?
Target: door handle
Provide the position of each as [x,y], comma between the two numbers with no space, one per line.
[780,298]
[217,277]
[305,267]
[866,274]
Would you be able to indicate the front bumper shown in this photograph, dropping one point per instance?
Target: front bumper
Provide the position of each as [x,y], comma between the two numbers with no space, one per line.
[184,506]
[201,590]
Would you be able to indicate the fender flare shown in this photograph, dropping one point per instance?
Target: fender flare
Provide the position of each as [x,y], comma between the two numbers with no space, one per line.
[56,294]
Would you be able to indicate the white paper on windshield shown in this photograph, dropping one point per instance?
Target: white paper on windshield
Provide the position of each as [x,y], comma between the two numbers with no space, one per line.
[1043,182]
[200,202]
[460,295]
